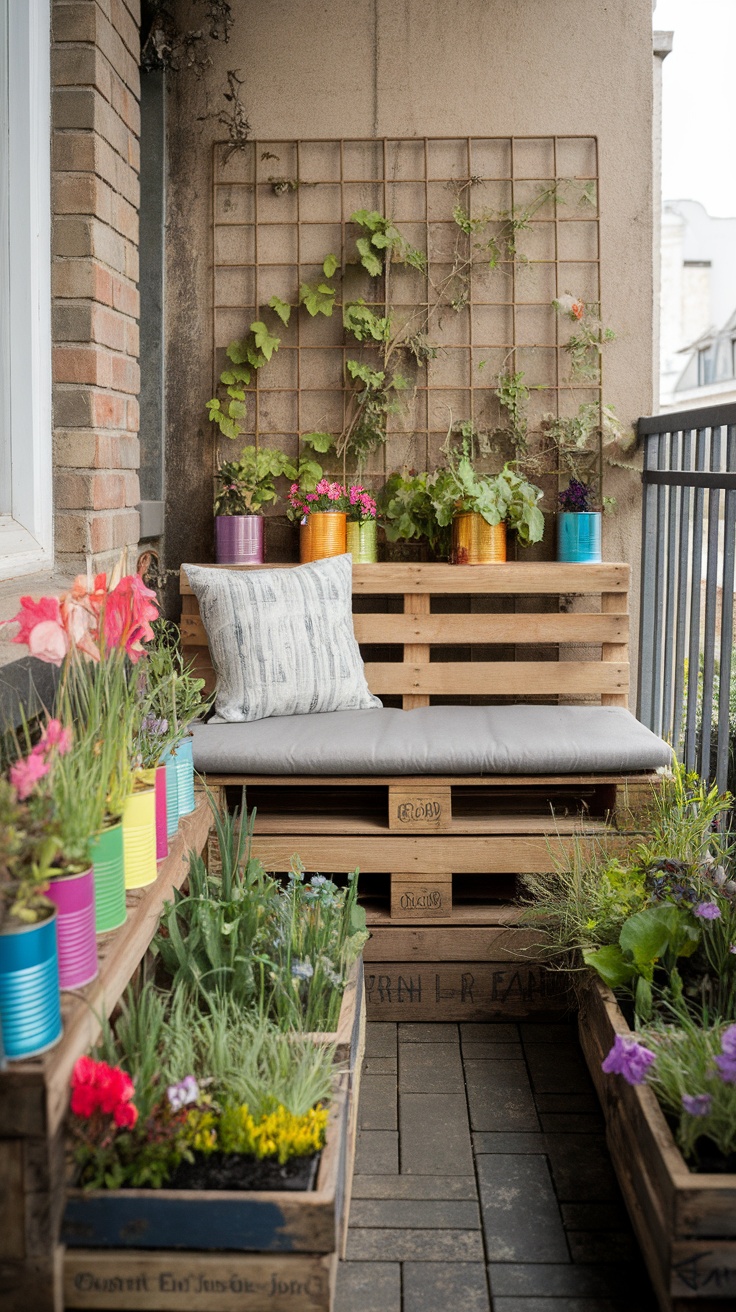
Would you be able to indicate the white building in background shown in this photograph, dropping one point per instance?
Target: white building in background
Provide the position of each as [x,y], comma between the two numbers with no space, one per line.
[698,307]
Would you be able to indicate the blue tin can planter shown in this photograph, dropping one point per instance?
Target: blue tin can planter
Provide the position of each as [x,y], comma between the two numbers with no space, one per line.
[185,776]
[30,1004]
[579,537]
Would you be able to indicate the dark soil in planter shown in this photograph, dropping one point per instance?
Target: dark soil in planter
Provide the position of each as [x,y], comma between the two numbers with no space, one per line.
[236,1171]
[710,1161]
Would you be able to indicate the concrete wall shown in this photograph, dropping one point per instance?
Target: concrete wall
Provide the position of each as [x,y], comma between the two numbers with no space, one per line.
[414,67]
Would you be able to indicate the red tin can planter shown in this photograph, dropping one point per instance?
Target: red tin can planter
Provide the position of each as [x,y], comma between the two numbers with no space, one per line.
[74,896]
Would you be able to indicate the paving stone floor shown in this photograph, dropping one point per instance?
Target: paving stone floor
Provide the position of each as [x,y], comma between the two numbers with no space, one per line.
[482,1181]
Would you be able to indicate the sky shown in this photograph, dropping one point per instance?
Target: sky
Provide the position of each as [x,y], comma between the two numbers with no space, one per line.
[699,136]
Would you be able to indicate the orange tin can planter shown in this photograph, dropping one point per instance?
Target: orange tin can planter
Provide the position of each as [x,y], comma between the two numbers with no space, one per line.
[323,534]
[476,542]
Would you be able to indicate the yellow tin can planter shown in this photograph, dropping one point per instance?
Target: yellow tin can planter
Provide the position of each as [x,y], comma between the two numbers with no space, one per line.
[323,534]
[361,541]
[139,832]
[476,542]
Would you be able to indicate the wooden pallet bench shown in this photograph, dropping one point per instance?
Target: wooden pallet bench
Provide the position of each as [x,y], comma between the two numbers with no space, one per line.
[685,1222]
[440,854]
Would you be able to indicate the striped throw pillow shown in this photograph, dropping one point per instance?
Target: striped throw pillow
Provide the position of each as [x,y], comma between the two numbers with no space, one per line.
[282,640]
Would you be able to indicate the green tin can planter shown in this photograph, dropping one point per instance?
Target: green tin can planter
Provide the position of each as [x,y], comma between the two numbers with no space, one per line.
[109,871]
[361,542]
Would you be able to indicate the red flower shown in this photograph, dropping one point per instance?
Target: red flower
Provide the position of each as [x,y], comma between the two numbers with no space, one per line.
[115,1087]
[85,1100]
[125,1115]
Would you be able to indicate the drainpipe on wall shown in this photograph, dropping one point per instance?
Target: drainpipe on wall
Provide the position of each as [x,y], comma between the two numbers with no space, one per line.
[662,47]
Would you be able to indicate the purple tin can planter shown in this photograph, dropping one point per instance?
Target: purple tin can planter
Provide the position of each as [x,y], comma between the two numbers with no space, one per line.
[74,896]
[162,827]
[239,539]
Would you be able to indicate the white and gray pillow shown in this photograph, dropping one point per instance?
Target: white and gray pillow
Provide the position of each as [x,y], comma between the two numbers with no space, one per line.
[282,640]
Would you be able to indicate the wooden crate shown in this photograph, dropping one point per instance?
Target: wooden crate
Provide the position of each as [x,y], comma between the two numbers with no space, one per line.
[155,1249]
[685,1223]
[34,1094]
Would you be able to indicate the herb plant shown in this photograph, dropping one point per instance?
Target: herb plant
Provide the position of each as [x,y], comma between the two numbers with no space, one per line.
[246,485]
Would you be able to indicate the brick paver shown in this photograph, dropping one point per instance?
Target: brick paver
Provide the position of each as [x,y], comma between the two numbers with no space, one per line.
[496,1193]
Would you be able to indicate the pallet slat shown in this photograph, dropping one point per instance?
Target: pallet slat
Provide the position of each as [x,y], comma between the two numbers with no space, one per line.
[417,855]
[456,629]
[522,577]
[499,678]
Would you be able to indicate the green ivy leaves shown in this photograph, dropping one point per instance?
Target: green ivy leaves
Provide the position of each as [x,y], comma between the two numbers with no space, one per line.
[317,298]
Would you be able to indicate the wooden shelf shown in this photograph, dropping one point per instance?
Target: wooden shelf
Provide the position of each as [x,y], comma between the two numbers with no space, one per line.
[34,1094]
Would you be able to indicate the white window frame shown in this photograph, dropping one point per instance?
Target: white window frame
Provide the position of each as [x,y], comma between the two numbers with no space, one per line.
[26,527]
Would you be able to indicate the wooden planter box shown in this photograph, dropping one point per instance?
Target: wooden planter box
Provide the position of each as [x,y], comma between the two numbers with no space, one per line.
[216,1251]
[685,1223]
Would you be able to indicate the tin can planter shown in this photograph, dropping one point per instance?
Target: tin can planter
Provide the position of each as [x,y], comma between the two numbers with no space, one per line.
[139,837]
[361,542]
[30,1006]
[109,876]
[172,795]
[184,777]
[162,826]
[579,537]
[239,539]
[322,534]
[74,897]
[476,542]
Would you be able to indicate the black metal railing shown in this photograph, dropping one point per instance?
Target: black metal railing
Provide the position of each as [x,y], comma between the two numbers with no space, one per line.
[687,585]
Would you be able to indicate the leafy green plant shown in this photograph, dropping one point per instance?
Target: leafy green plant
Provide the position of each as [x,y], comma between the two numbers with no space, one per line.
[168,695]
[248,355]
[504,498]
[30,843]
[381,240]
[247,484]
[654,937]
[513,395]
[407,510]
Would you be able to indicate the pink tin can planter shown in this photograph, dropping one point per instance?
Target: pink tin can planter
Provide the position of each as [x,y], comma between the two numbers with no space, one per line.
[162,834]
[74,898]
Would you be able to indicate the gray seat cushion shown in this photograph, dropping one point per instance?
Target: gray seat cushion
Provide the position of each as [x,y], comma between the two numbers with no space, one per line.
[434,740]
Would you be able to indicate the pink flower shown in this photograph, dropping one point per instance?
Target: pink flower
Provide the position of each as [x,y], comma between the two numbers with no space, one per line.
[41,629]
[128,613]
[25,774]
[55,735]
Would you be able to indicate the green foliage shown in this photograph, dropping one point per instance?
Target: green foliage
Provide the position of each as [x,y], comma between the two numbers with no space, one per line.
[656,936]
[360,320]
[383,240]
[168,691]
[505,498]
[329,265]
[407,510]
[321,442]
[513,395]
[283,950]
[317,298]
[281,308]
[30,844]
[247,355]
[247,484]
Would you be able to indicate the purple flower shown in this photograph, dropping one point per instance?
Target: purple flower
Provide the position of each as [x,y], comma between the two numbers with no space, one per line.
[576,496]
[180,1095]
[630,1059]
[733,949]
[707,910]
[726,1061]
[697,1104]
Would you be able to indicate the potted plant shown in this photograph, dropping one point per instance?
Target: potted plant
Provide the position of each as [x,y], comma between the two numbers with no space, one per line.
[244,487]
[408,512]
[30,1011]
[361,526]
[480,507]
[578,525]
[322,515]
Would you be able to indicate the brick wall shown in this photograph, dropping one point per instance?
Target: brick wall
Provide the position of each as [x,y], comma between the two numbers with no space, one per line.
[95,196]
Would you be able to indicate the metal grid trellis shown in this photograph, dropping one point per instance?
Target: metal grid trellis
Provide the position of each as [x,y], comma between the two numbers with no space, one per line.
[280,206]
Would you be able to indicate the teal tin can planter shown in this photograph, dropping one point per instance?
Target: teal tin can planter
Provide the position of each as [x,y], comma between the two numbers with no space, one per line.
[30,1003]
[579,537]
[185,777]
[172,794]
[109,875]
